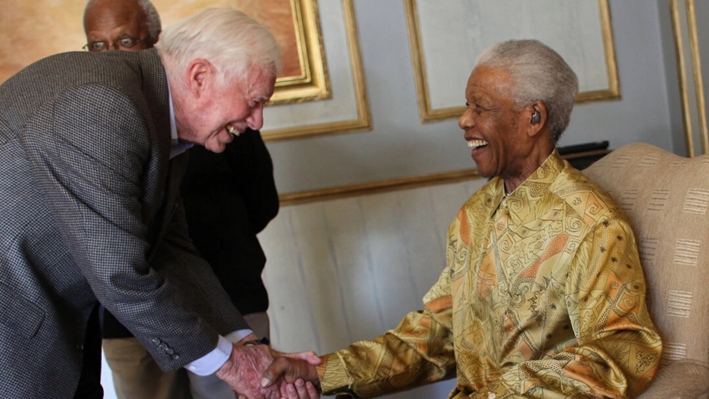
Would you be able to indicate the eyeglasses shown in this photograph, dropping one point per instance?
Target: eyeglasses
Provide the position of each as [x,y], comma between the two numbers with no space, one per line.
[120,44]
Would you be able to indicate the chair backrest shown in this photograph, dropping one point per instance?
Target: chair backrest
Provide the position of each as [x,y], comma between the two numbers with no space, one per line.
[666,198]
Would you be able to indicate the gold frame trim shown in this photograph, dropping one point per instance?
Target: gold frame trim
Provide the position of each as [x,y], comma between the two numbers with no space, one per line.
[696,73]
[427,114]
[314,83]
[383,186]
[364,120]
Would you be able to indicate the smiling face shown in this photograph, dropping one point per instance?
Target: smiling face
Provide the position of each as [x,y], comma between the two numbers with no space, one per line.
[495,129]
[213,109]
[116,25]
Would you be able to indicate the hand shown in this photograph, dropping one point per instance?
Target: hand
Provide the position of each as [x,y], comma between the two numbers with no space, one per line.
[242,371]
[289,368]
[299,389]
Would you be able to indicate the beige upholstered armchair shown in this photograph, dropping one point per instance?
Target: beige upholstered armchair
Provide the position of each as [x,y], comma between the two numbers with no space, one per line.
[666,198]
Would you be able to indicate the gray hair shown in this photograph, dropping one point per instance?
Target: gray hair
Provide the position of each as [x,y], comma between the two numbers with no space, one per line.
[154,25]
[229,39]
[537,73]
[152,18]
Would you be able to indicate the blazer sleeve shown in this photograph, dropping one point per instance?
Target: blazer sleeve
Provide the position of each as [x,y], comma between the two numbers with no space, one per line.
[90,150]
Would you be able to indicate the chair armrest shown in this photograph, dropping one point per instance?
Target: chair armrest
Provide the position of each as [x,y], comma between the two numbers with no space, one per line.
[682,379]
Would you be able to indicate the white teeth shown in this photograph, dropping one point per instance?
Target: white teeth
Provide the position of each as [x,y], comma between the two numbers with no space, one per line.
[477,143]
[233,131]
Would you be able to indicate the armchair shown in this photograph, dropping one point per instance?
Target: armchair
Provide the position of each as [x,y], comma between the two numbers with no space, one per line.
[666,198]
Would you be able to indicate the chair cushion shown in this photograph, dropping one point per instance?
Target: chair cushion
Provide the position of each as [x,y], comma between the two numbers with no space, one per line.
[666,198]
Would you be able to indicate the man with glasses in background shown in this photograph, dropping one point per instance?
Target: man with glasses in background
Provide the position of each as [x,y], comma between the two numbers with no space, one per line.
[121,25]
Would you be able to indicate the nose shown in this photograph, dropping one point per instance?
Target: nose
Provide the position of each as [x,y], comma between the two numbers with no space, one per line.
[467,120]
[255,118]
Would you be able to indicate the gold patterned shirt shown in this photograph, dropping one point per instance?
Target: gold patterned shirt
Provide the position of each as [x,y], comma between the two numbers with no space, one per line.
[543,296]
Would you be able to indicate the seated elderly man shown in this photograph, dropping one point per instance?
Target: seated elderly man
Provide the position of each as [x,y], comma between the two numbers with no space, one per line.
[543,294]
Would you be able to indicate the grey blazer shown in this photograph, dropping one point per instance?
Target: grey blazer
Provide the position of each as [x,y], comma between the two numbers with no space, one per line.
[90,211]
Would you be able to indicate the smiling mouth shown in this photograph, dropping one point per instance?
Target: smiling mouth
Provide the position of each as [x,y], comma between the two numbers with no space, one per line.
[231,129]
[477,143]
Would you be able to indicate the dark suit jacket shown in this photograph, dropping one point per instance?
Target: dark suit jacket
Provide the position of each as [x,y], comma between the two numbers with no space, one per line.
[90,212]
[229,198]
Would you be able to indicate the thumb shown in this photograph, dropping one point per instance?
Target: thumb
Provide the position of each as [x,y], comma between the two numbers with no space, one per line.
[288,369]
[275,370]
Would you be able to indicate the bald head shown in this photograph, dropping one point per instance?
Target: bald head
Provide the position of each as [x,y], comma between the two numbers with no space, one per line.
[121,25]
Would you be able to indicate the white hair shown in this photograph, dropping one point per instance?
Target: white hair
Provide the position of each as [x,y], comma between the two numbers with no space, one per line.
[152,18]
[537,73]
[229,39]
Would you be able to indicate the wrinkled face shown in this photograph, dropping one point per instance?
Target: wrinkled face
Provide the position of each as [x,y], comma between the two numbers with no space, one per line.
[116,25]
[493,127]
[221,111]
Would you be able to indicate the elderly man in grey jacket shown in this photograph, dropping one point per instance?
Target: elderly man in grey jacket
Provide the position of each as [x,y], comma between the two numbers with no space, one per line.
[90,166]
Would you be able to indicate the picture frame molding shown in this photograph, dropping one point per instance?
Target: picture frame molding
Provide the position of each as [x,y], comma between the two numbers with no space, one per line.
[428,114]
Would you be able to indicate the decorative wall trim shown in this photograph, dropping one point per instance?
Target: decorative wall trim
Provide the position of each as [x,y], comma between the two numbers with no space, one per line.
[378,187]
[690,114]
[429,112]
[613,91]
[313,82]
[382,186]
[363,119]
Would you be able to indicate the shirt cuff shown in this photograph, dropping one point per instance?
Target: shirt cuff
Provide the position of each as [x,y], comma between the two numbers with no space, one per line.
[214,360]
[238,335]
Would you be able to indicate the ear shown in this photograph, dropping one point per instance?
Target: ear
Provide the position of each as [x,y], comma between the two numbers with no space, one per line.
[200,76]
[536,114]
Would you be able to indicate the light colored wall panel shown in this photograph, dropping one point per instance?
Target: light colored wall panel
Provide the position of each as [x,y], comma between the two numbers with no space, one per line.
[350,269]
[445,42]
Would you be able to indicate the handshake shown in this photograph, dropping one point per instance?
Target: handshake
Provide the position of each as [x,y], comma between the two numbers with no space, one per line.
[256,371]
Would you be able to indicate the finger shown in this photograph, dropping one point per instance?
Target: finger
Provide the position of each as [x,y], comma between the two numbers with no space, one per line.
[309,356]
[291,391]
[300,388]
[313,392]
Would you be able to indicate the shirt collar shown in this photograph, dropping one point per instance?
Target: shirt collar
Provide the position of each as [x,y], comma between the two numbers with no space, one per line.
[177,147]
[545,174]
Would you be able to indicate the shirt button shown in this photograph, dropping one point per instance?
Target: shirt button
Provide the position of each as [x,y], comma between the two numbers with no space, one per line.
[191,368]
[80,347]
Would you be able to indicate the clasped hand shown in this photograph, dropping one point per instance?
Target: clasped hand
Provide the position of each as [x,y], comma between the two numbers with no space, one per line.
[259,372]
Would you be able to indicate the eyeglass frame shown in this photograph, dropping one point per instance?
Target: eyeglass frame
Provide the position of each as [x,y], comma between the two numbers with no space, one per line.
[115,44]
